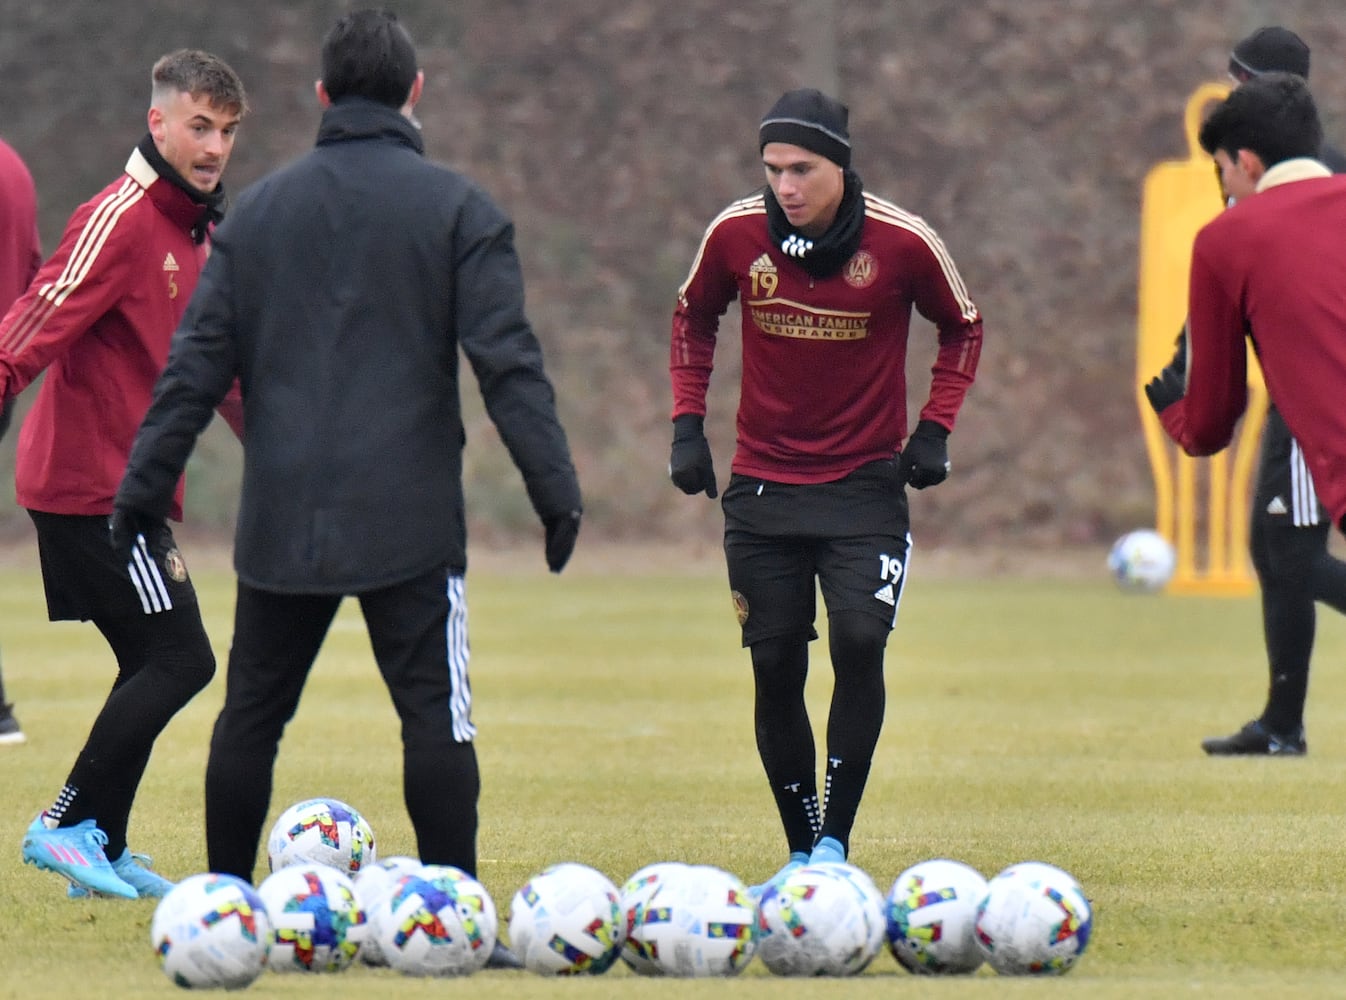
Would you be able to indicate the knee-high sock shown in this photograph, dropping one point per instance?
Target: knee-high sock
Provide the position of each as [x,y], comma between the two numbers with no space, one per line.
[855,718]
[784,736]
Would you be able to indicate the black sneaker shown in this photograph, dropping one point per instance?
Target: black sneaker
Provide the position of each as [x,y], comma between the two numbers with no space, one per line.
[503,958]
[10,731]
[1255,739]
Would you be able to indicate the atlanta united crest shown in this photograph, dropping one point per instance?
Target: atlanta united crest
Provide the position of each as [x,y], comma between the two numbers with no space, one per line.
[861,270]
[175,566]
[740,607]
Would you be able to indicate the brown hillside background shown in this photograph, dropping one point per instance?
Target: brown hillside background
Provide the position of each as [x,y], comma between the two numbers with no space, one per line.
[614,130]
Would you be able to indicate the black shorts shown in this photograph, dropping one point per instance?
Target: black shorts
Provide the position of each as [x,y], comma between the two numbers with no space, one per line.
[84,579]
[1285,494]
[782,542]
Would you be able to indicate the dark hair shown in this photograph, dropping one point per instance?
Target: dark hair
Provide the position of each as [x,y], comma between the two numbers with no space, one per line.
[369,54]
[191,71]
[1272,115]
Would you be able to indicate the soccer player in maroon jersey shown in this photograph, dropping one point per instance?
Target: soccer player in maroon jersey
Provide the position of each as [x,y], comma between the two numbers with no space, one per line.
[1288,538]
[97,318]
[21,253]
[827,275]
[1268,270]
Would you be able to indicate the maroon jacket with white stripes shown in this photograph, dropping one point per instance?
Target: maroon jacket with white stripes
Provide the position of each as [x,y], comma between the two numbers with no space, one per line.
[824,386]
[99,315]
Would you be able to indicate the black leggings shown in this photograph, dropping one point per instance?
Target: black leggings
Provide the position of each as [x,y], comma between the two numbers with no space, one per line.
[785,739]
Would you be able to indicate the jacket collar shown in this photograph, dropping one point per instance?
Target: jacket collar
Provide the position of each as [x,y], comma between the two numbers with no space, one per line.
[1301,168]
[193,210]
[360,118]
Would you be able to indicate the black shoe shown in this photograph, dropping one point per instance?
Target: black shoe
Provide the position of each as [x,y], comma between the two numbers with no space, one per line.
[503,958]
[1255,739]
[10,730]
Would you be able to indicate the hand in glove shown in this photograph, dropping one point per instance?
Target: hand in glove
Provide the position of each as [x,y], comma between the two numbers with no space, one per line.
[925,459]
[562,530]
[690,465]
[1170,385]
[125,525]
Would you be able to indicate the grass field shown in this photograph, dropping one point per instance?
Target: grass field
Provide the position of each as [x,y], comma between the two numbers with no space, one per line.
[1047,719]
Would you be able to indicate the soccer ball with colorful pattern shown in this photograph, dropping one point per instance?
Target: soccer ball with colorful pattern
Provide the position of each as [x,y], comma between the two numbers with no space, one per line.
[1142,561]
[567,920]
[317,922]
[1033,920]
[699,922]
[210,932]
[820,920]
[932,908]
[437,921]
[321,831]
[374,884]
[635,896]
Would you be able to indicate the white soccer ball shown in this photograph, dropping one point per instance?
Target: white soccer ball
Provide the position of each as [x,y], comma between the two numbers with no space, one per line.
[567,920]
[1033,920]
[210,932]
[932,911]
[439,921]
[635,896]
[374,884]
[820,920]
[317,922]
[1142,560]
[322,831]
[699,922]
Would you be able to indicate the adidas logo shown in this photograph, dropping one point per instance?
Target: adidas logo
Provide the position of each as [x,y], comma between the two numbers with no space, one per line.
[763,263]
[171,262]
[1277,506]
[885,594]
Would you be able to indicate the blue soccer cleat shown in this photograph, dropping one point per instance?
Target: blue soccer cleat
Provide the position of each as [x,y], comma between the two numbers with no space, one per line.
[135,871]
[827,851]
[76,854]
[798,859]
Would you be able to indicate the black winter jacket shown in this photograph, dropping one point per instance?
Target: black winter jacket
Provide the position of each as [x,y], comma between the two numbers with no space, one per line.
[339,291]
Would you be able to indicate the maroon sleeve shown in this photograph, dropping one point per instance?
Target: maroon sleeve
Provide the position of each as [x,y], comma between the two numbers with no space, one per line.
[702,300]
[942,298]
[1217,367]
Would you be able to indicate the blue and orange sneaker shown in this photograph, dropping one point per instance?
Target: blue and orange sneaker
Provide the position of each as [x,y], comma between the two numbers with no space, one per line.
[76,854]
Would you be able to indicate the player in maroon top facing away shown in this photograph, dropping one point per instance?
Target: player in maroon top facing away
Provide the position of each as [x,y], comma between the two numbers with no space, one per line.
[1289,530]
[827,275]
[1269,269]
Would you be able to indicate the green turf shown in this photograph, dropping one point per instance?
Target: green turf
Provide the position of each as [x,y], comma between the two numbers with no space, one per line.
[1054,720]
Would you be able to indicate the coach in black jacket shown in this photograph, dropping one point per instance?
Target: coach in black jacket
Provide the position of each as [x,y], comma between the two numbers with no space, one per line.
[339,293]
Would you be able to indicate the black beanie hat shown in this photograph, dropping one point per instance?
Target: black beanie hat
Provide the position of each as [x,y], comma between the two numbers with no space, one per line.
[811,119]
[1270,50]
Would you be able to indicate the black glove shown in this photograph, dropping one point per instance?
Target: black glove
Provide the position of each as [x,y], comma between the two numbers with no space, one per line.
[6,414]
[925,459]
[123,527]
[562,530]
[1170,385]
[690,465]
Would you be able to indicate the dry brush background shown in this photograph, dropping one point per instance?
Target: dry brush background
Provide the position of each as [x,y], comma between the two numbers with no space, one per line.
[613,130]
